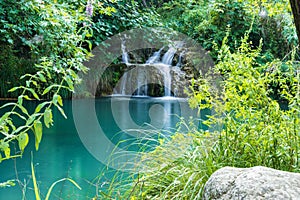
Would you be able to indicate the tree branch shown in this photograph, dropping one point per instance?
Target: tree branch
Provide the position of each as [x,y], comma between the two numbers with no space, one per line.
[295,5]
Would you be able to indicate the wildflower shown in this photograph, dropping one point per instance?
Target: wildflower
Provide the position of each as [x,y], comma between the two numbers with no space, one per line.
[89,8]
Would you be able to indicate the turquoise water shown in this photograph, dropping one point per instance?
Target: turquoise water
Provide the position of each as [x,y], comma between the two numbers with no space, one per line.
[63,153]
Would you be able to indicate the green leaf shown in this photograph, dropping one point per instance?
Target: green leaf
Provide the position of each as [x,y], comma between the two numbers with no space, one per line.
[10,41]
[73,74]
[69,82]
[23,141]
[28,84]
[64,179]
[4,117]
[36,189]
[40,106]
[90,44]
[61,111]
[27,97]
[9,183]
[48,117]
[10,122]
[13,89]
[20,100]
[48,89]
[57,99]
[30,120]
[33,93]
[38,131]
[23,109]
[7,152]
[26,75]
[42,77]
[19,129]
[34,82]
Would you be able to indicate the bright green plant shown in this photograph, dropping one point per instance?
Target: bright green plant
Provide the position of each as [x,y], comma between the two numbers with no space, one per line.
[257,131]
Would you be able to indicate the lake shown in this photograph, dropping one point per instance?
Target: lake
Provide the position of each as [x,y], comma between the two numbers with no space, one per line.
[79,148]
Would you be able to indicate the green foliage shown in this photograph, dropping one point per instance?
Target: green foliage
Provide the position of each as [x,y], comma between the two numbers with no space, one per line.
[208,22]
[26,41]
[12,67]
[59,56]
[124,15]
[256,130]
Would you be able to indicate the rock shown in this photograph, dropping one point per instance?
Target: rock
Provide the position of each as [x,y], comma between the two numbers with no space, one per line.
[252,183]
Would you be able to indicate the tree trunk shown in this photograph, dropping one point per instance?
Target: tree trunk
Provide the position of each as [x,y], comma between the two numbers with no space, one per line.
[295,5]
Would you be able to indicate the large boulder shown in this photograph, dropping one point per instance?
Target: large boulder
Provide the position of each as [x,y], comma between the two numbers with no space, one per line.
[252,183]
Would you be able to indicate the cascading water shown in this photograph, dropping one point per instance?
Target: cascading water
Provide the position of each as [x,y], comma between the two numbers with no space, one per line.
[167,60]
[125,57]
[142,89]
[165,69]
[155,58]
[123,84]
[168,57]
[180,59]
[138,78]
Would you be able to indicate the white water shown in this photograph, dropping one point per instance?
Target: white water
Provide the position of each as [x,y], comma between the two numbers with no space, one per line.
[164,65]
[168,57]
[180,59]
[125,57]
[155,58]
[142,89]
[165,69]
[123,83]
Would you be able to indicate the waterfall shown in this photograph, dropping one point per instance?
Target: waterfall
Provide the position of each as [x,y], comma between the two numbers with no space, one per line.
[125,57]
[165,69]
[140,76]
[169,55]
[180,59]
[142,88]
[155,58]
[123,83]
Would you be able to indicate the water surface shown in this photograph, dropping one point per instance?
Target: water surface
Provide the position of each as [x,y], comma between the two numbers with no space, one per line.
[63,154]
